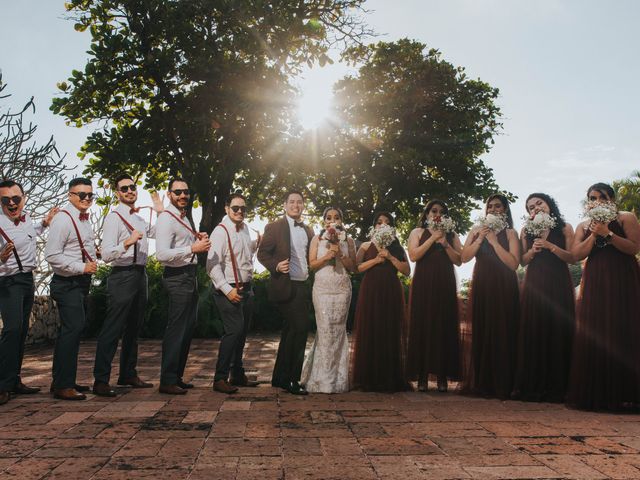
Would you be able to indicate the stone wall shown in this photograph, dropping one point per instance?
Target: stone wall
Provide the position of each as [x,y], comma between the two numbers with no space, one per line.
[43,323]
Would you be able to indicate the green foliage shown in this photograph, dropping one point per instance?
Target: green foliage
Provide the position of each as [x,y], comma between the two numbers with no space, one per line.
[628,193]
[195,87]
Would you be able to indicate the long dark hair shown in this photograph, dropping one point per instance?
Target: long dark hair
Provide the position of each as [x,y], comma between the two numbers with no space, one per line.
[603,189]
[395,248]
[505,203]
[554,211]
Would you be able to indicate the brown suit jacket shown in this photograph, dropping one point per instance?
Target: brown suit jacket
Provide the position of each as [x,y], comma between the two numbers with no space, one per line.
[275,247]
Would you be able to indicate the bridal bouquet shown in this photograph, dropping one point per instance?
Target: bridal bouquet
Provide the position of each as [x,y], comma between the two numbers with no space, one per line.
[601,212]
[537,225]
[495,222]
[443,223]
[383,236]
[334,234]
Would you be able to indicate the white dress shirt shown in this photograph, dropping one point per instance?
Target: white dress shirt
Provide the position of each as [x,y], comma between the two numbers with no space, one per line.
[63,250]
[115,232]
[298,268]
[23,237]
[219,263]
[173,240]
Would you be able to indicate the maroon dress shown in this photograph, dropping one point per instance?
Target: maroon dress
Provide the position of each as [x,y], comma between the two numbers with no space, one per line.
[434,327]
[547,323]
[377,357]
[605,371]
[494,308]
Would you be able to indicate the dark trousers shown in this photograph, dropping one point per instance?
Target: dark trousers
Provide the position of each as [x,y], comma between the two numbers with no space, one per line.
[293,339]
[127,300]
[236,318]
[182,290]
[70,294]
[16,301]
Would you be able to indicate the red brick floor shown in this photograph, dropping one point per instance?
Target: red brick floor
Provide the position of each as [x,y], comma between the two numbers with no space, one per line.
[263,433]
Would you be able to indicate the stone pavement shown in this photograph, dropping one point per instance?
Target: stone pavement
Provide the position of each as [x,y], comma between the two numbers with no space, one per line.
[263,433]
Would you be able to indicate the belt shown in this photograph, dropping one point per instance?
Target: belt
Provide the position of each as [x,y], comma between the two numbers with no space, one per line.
[245,285]
[84,276]
[173,271]
[127,268]
[18,274]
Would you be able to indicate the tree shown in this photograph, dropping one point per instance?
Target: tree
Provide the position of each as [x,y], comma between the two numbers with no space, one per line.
[628,193]
[39,168]
[196,88]
[408,127]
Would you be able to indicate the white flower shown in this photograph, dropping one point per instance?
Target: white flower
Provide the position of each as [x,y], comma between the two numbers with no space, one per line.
[442,222]
[383,236]
[540,223]
[493,221]
[600,212]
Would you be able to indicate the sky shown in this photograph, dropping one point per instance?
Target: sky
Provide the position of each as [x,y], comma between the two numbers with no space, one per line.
[567,71]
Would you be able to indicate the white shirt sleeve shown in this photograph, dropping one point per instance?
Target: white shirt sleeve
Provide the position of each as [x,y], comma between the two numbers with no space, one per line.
[215,259]
[165,234]
[54,250]
[111,249]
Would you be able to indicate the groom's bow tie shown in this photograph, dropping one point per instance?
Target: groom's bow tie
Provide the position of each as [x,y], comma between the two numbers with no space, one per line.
[298,224]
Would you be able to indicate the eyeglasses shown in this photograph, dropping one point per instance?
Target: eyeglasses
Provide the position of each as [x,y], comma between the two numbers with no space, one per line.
[180,191]
[16,199]
[131,188]
[238,208]
[83,195]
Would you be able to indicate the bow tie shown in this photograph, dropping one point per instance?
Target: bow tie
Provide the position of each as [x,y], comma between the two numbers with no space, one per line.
[84,216]
[183,214]
[19,219]
[298,224]
[134,210]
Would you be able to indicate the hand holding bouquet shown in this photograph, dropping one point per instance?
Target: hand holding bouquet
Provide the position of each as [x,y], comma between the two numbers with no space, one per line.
[600,212]
[441,223]
[538,224]
[494,222]
[383,236]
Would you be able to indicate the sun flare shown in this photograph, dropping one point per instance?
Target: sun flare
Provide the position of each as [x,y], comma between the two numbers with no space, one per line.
[314,103]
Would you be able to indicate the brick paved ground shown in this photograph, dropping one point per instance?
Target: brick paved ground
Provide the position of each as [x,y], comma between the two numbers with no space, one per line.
[263,433]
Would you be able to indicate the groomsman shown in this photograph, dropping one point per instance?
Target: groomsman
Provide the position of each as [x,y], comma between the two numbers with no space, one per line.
[230,266]
[177,243]
[17,263]
[284,251]
[125,244]
[71,252]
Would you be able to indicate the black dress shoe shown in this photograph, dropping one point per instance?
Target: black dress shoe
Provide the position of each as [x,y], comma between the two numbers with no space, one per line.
[184,385]
[103,390]
[135,382]
[243,381]
[82,388]
[296,389]
[22,389]
[4,397]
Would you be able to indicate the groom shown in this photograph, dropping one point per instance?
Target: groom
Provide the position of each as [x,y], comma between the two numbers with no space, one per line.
[284,252]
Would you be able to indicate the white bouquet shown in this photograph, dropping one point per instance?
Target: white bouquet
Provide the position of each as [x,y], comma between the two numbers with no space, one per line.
[493,221]
[601,212]
[540,223]
[443,223]
[335,233]
[383,236]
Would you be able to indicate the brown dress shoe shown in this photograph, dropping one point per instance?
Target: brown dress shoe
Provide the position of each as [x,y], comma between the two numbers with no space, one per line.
[243,381]
[223,386]
[22,389]
[68,394]
[172,389]
[135,382]
[103,390]
[4,397]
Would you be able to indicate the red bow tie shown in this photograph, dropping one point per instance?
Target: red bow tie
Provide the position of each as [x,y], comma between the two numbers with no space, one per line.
[183,214]
[134,210]
[84,216]
[19,219]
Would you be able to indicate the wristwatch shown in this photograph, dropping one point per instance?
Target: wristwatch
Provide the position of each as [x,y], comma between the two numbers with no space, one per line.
[608,236]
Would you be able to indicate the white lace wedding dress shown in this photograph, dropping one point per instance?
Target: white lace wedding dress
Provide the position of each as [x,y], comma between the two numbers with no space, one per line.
[326,367]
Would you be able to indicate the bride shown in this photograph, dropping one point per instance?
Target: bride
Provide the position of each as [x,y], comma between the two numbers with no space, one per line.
[332,256]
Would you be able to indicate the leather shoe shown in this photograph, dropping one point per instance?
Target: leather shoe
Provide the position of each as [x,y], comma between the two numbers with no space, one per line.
[296,389]
[68,394]
[103,390]
[22,389]
[76,387]
[4,397]
[135,382]
[172,389]
[184,385]
[243,381]
[223,386]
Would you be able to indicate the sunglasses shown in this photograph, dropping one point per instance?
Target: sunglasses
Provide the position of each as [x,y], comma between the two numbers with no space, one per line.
[131,188]
[238,208]
[16,199]
[179,191]
[83,195]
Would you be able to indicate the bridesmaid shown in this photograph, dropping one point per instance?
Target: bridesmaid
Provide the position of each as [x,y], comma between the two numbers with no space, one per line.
[326,368]
[493,304]
[434,327]
[605,372]
[547,318]
[378,363]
